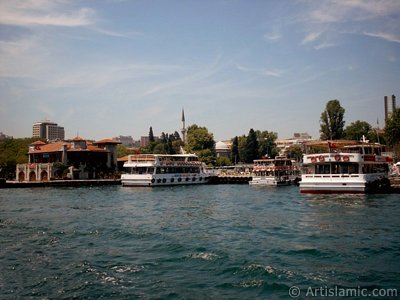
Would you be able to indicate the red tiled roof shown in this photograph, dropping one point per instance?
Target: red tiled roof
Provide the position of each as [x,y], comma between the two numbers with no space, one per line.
[78,138]
[53,147]
[123,158]
[95,148]
[58,147]
[38,143]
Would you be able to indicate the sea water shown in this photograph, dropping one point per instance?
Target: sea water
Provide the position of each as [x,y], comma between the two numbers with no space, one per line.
[196,242]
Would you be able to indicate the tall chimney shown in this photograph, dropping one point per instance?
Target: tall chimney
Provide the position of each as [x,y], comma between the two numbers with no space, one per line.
[393,103]
[386,107]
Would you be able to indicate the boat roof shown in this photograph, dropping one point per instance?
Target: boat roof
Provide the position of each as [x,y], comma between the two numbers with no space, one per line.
[272,159]
[150,157]
[165,155]
[340,144]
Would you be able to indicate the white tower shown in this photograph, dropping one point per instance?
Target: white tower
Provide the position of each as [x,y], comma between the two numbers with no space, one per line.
[183,129]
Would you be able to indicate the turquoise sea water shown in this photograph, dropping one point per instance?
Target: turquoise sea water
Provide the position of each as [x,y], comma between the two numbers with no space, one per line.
[194,242]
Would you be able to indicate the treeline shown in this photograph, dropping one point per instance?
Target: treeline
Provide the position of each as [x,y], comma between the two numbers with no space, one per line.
[332,128]
[244,148]
[200,141]
[13,152]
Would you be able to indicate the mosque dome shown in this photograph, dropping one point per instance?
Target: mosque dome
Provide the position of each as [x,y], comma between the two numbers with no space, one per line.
[221,146]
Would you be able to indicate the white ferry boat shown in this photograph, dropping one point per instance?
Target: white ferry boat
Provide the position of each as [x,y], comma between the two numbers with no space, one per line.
[160,169]
[274,171]
[345,167]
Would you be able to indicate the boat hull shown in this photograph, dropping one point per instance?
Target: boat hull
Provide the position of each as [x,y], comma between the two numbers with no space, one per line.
[353,184]
[163,180]
[269,181]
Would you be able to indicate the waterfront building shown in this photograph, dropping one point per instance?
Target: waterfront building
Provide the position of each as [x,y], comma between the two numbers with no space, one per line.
[223,149]
[297,139]
[75,159]
[111,147]
[48,130]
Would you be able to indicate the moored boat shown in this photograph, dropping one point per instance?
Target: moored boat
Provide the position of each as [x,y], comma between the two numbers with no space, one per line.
[274,171]
[345,167]
[160,169]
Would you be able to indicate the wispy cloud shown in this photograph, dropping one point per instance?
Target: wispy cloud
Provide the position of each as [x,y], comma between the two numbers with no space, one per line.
[191,76]
[334,11]
[385,36]
[335,17]
[43,13]
[261,71]
[112,33]
[310,37]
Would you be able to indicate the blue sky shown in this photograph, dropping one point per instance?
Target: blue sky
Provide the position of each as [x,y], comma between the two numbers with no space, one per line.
[109,68]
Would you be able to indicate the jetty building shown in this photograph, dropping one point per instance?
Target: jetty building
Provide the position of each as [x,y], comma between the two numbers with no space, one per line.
[75,159]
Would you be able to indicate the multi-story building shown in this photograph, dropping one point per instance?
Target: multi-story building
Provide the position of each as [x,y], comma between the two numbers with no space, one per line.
[48,130]
[390,106]
[125,140]
[297,139]
[75,159]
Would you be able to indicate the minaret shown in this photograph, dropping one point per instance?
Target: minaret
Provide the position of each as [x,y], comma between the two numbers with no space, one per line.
[183,129]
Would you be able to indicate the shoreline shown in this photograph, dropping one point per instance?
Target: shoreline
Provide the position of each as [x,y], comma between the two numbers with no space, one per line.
[59,183]
[395,182]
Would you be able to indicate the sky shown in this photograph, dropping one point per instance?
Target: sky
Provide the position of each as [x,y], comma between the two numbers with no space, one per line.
[107,68]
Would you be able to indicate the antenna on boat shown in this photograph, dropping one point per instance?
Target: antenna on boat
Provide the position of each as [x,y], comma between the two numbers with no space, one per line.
[377,130]
[364,140]
[182,150]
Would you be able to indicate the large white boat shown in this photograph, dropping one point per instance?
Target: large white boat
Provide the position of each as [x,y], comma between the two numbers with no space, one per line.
[160,169]
[345,167]
[274,171]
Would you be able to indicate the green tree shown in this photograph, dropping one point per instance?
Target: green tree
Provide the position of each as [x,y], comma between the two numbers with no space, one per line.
[294,152]
[151,135]
[356,130]
[242,142]
[392,129]
[266,141]
[331,121]
[123,151]
[251,147]
[159,149]
[13,152]
[223,161]
[235,150]
[201,142]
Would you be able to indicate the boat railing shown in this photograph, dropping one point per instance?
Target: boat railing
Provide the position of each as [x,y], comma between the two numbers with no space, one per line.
[173,163]
[331,175]
[141,158]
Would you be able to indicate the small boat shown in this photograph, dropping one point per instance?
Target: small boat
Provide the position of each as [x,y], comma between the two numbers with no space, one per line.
[161,170]
[345,167]
[274,171]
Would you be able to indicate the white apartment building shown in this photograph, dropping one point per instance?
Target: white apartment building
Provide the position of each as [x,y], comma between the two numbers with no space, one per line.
[48,130]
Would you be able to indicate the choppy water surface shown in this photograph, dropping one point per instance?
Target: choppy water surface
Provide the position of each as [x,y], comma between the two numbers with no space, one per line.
[191,242]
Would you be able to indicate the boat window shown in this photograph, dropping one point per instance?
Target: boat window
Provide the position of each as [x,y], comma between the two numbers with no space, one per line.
[139,170]
[375,168]
[344,168]
[322,169]
[308,169]
[160,170]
